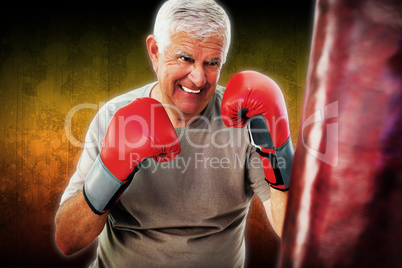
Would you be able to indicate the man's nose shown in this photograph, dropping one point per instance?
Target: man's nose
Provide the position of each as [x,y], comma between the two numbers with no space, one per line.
[198,75]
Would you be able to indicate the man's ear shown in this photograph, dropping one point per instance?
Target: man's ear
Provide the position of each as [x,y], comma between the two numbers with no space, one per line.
[153,51]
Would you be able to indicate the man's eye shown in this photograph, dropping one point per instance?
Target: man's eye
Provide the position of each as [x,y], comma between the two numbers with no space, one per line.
[186,59]
[213,63]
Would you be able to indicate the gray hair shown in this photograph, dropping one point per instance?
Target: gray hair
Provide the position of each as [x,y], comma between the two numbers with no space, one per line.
[199,18]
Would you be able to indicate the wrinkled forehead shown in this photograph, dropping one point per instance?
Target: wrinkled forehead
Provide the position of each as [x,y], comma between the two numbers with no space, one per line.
[187,42]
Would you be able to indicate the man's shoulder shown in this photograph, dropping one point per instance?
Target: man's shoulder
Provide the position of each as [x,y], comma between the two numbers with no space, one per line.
[219,93]
[107,111]
[220,90]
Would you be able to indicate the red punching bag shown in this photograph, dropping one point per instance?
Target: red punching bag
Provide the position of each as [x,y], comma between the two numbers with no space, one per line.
[345,198]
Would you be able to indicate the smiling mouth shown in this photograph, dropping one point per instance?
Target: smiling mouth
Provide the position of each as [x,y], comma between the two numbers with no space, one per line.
[185,89]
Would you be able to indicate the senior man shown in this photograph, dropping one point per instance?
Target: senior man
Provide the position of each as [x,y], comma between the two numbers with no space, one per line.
[166,178]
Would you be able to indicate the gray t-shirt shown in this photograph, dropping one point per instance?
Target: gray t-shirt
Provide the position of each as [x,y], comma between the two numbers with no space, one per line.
[189,212]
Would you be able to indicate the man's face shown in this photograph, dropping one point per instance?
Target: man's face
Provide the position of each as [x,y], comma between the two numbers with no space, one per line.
[188,72]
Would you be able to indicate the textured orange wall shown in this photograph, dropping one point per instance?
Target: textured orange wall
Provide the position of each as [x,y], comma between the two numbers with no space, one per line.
[53,60]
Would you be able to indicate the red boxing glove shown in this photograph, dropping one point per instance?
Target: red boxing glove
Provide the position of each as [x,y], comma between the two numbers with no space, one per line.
[139,130]
[255,100]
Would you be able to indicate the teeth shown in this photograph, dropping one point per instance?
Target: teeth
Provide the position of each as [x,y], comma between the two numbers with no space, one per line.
[189,90]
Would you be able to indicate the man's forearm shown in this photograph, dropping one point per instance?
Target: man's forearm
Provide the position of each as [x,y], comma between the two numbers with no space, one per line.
[277,207]
[76,225]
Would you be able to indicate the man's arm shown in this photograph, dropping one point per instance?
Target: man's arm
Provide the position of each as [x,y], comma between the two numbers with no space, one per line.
[76,225]
[78,222]
[254,100]
[275,208]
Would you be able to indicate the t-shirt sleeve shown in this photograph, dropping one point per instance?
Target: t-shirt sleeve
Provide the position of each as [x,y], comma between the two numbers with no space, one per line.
[256,175]
[91,149]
